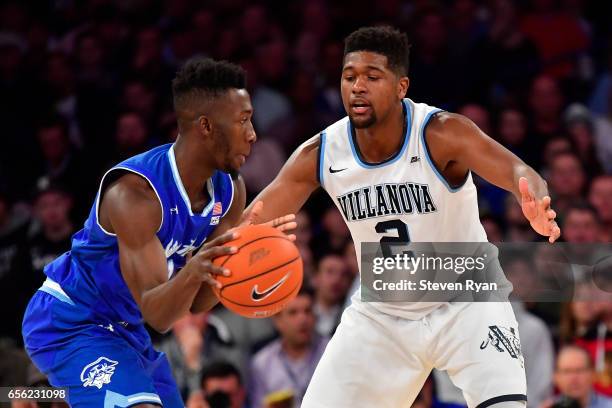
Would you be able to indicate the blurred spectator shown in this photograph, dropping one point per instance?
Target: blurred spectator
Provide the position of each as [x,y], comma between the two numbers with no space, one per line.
[52,232]
[600,196]
[477,114]
[566,181]
[555,146]
[63,165]
[509,59]
[518,228]
[221,387]
[545,104]
[130,137]
[331,282]
[220,334]
[512,133]
[263,165]
[560,38]
[603,135]
[13,267]
[581,224]
[579,124]
[289,362]
[574,380]
[493,228]
[579,316]
[141,98]
[335,233]
[538,351]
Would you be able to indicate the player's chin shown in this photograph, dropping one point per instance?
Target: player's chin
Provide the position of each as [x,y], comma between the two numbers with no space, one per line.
[362,122]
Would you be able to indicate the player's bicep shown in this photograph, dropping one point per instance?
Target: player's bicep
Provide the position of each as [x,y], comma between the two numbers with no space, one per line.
[134,214]
[472,149]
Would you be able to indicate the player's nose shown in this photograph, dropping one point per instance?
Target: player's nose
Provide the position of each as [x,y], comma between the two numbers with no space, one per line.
[359,86]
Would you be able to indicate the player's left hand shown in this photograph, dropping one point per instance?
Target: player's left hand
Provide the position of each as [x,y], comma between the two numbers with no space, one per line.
[284,224]
[538,212]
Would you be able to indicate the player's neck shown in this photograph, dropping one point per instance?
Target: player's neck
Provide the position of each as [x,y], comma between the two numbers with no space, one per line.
[193,169]
[382,140]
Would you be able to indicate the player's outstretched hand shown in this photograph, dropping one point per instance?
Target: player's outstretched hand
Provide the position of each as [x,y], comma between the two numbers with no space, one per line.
[538,212]
[201,265]
[284,224]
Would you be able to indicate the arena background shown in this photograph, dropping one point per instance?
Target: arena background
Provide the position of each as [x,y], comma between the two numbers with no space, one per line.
[85,84]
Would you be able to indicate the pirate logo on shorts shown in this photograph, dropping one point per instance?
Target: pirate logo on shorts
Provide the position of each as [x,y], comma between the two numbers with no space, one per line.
[98,373]
[504,339]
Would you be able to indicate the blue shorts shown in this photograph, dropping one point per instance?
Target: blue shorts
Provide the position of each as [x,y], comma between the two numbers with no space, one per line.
[102,364]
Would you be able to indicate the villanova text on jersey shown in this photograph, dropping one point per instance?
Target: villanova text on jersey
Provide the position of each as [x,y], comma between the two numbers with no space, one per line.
[386,199]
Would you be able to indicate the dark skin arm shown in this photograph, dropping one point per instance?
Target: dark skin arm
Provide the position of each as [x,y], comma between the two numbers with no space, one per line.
[130,209]
[295,182]
[205,298]
[457,145]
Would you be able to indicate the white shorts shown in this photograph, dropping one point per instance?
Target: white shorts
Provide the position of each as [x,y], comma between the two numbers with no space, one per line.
[378,360]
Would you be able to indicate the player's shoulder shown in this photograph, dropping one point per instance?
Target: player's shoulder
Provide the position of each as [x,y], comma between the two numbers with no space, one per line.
[131,199]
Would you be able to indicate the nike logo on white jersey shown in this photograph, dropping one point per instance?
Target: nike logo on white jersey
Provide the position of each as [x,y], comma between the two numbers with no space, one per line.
[258,296]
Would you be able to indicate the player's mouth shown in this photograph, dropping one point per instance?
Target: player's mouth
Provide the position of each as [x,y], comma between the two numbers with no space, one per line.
[242,158]
[360,107]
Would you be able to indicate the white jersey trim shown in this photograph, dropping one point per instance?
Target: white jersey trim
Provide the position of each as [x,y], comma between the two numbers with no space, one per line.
[100,192]
[231,198]
[179,184]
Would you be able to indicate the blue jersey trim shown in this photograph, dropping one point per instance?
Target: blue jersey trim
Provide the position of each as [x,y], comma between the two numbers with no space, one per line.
[408,109]
[428,157]
[114,399]
[321,157]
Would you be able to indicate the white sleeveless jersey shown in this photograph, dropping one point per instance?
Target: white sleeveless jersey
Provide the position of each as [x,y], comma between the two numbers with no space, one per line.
[405,197]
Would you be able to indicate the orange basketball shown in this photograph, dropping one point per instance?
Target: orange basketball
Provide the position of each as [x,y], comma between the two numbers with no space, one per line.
[266,272]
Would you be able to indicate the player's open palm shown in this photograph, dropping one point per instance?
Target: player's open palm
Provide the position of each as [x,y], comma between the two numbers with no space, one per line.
[539,213]
[284,224]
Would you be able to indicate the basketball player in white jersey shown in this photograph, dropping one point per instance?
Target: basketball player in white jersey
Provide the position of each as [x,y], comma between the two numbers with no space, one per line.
[382,353]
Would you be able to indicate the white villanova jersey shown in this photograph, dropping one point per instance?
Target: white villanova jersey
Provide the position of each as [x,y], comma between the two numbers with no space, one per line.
[404,198]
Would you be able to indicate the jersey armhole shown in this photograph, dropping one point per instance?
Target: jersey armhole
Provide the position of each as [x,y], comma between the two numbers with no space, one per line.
[321,158]
[103,186]
[452,189]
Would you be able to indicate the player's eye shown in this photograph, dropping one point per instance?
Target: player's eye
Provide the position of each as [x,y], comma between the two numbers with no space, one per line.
[349,78]
[372,78]
[244,120]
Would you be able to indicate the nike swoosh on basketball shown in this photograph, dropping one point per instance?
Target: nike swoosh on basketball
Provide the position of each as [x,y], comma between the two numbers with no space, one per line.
[258,296]
[336,170]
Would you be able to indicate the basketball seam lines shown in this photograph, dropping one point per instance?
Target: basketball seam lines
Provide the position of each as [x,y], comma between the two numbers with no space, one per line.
[259,274]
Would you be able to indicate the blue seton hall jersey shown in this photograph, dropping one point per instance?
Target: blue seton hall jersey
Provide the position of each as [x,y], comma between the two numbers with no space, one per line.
[89,275]
[83,329]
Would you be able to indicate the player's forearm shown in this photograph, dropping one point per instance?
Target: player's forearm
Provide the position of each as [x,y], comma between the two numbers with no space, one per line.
[163,305]
[204,300]
[281,199]
[536,182]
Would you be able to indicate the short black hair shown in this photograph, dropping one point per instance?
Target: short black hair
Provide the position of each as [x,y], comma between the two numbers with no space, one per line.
[205,77]
[219,369]
[383,40]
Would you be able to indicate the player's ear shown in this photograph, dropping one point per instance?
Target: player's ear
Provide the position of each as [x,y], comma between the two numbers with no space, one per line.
[204,125]
[402,87]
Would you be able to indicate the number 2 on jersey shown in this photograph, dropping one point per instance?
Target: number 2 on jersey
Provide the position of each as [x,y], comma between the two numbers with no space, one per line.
[386,242]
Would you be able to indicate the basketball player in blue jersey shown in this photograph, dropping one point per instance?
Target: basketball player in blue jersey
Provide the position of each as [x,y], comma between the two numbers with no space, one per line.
[84,328]
[400,171]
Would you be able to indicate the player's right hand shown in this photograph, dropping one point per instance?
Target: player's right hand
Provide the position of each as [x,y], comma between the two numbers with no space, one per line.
[201,264]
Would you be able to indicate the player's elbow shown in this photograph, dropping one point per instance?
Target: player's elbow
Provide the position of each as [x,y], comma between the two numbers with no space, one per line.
[159,327]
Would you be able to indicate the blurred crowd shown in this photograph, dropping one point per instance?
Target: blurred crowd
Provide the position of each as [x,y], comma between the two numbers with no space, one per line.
[86,84]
